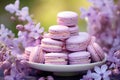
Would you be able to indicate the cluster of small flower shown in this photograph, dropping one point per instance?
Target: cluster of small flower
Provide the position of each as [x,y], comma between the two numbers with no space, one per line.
[12,61]
[101,19]
[98,74]
[13,67]
[104,23]
[30,33]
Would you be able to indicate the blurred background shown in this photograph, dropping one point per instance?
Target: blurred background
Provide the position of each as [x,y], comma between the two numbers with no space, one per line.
[43,11]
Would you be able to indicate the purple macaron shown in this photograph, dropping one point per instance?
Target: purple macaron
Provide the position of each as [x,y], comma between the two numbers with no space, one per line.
[56,58]
[59,32]
[81,57]
[51,45]
[97,54]
[67,18]
[79,42]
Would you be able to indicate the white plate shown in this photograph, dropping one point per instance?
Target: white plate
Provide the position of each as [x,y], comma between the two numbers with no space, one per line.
[65,68]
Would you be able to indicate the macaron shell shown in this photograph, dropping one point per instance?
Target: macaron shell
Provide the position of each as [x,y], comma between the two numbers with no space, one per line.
[50,41]
[94,55]
[58,29]
[80,55]
[67,14]
[82,37]
[76,46]
[50,48]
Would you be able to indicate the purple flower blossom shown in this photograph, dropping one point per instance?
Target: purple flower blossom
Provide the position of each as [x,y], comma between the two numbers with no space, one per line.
[23,14]
[8,78]
[101,73]
[36,31]
[12,8]
[7,33]
[88,76]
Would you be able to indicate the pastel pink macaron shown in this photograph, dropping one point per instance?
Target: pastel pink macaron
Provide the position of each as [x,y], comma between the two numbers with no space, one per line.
[59,32]
[56,58]
[74,30]
[97,54]
[51,45]
[79,42]
[27,52]
[67,18]
[81,57]
[36,54]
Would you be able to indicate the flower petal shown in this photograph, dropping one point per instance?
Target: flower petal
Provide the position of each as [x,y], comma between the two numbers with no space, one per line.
[97,70]
[106,78]
[104,68]
[10,8]
[17,3]
[107,73]
[96,76]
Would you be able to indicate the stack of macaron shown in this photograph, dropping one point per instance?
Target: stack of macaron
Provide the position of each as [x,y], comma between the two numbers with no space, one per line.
[64,44]
[69,19]
[54,43]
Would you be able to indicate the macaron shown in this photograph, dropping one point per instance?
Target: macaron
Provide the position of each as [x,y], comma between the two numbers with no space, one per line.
[59,32]
[36,55]
[56,58]
[67,18]
[81,57]
[97,54]
[74,30]
[51,45]
[79,42]
[27,52]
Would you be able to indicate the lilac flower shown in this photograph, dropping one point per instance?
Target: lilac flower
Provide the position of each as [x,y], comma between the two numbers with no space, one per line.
[6,36]
[8,77]
[23,14]
[97,3]
[7,33]
[101,73]
[12,8]
[88,76]
[113,59]
[36,31]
